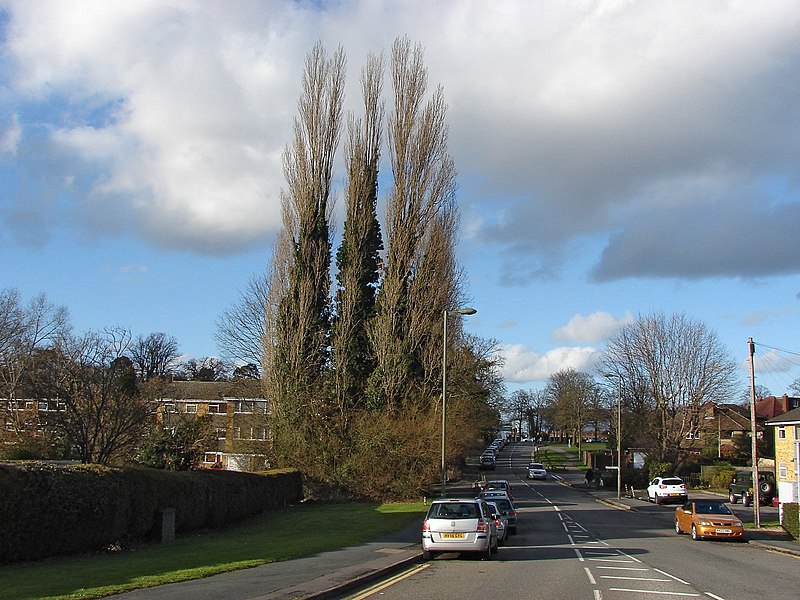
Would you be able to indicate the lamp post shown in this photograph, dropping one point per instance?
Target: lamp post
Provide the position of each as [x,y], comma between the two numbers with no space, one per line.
[458,311]
[619,430]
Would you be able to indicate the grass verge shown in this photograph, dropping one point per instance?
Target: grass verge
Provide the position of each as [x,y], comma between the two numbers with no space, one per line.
[277,536]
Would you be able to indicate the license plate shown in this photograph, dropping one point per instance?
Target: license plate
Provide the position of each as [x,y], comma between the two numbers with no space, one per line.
[452,536]
[674,494]
[723,530]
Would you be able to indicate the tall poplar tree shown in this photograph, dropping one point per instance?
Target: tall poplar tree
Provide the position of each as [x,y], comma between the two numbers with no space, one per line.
[358,258]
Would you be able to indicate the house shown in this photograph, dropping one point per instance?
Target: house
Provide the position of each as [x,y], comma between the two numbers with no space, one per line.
[239,414]
[787,455]
[771,406]
[238,410]
[721,425]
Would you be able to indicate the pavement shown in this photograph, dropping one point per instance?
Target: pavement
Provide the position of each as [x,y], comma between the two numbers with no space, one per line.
[332,574]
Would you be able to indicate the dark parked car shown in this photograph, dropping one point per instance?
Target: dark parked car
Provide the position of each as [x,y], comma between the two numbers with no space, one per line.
[741,488]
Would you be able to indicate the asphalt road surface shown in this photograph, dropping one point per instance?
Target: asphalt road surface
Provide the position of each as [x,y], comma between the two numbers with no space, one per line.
[570,547]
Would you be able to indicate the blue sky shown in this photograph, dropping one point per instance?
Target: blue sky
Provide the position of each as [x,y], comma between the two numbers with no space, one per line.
[615,159]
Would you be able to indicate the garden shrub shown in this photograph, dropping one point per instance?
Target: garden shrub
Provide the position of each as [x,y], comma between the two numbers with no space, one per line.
[789,520]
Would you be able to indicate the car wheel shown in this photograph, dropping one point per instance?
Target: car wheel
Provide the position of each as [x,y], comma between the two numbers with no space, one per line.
[487,554]
[731,497]
[746,500]
[695,535]
[678,527]
[426,555]
[659,500]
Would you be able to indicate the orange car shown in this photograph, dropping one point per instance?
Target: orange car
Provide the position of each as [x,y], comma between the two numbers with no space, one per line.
[708,519]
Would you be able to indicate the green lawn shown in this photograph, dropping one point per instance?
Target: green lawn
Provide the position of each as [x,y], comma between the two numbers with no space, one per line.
[280,535]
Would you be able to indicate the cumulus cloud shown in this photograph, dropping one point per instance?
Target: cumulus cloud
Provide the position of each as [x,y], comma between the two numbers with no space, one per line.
[667,129]
[524,365]
[595,328]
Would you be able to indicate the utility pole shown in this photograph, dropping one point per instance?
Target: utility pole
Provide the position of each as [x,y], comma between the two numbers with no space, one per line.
[751,348]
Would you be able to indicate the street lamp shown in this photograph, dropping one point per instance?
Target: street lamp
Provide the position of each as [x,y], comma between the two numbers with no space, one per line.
[619,430]
[458,311]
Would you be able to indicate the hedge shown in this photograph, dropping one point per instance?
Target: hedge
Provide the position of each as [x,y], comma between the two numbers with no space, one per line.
[52,510]
[789,519]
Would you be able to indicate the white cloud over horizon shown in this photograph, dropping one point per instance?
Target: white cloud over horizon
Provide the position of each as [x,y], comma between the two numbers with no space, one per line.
[618,120]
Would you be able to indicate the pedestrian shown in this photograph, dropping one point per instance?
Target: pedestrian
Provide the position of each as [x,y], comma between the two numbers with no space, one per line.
[589,479]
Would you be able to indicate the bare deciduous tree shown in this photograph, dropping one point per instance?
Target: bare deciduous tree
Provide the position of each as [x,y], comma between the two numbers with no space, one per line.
[571,395]
[242,327]
[93,381]
[25,330]
[154,356]
[669,366]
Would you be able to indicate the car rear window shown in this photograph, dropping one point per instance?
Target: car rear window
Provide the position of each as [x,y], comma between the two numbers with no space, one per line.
[673,481]
[454,510]
[536,466]
[502,504]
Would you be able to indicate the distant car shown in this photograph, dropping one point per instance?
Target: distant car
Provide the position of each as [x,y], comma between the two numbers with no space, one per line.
[498,484]
[741,488]
[459,525]
[500,522]
[487,462]
[536,471]
[667,489]
[708,519]
[506,506]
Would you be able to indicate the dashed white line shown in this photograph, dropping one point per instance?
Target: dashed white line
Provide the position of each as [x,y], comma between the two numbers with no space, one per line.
[590,576]
[654,592]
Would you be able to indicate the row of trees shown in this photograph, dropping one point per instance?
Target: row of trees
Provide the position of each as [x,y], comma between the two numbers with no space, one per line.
[354,367]
[95,391]
[664,369]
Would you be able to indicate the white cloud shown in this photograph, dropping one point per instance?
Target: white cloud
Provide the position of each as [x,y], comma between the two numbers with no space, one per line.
[523,365]
[10,136]
[595,328]
[669,125]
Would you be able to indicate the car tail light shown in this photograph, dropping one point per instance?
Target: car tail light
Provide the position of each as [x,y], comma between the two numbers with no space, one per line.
[497,522]
[482,525]
[512,513]
[661,486]
[426,526]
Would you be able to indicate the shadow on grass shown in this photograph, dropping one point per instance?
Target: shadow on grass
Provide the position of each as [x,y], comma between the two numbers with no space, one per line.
[279,535]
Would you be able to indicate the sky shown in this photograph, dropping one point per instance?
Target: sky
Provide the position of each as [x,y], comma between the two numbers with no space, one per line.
[615,159]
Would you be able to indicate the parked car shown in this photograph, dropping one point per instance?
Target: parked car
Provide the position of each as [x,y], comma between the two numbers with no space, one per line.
[741,488]
[498,484]
[500,522]
[506,506]
[487,462]
[536,471]
[708,519]
[459,525]
[667,489]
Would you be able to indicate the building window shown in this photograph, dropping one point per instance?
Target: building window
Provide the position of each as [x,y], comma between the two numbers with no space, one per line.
[220,431]
[218,407]
[43,405]
[782,470]
[191,408]
[237,433]
[212,457]
[169,407]
[781,433]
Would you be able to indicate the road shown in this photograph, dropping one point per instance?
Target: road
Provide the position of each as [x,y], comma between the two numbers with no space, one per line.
[570,547]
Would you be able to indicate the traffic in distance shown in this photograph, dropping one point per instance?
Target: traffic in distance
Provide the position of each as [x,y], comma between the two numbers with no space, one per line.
[551,538]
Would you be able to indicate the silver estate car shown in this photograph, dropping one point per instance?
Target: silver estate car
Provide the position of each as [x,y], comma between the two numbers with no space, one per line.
[459,525]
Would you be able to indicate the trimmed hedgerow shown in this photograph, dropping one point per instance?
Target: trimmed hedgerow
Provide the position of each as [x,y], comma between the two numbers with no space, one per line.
[52,510]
